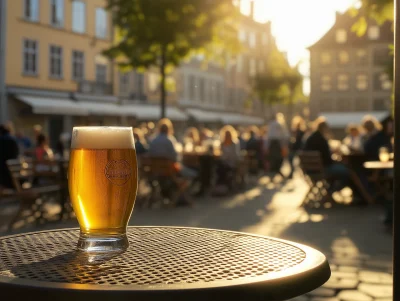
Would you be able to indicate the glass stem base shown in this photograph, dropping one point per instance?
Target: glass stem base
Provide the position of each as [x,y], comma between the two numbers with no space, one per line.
[102,244]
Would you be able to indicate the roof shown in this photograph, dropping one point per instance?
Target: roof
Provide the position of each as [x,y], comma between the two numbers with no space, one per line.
[346,21]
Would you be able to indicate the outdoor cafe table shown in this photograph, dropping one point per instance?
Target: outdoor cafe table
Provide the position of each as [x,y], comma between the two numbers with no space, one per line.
[162,263]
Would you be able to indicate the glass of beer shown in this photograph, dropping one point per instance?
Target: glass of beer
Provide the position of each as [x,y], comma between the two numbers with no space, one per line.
[102,181]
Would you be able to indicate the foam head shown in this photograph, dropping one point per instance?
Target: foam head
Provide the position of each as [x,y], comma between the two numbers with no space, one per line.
[102,137]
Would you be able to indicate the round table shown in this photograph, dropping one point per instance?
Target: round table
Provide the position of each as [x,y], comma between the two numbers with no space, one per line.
[162,263]
[379,165]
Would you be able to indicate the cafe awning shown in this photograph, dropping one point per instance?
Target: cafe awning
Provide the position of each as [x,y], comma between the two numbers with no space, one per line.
[239,119]
[341,120]
[153,112]
[204,116]
[52,106]
[99,108]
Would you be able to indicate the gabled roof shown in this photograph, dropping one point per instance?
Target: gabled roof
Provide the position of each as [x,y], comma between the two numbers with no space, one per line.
[346,21]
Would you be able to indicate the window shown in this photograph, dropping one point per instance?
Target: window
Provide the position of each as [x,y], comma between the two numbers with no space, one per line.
[31,10]
[361,57]
[381,56]
[381,104]
[362,82]
[56,61]
[78,16]
[123,82]
[326,58]
[202,87]
[101,73]
[78,65]
[140,84]
[361,104]
[326,105]
[242,35]
[30,57]
[192,88]
[326,84]
[219,93]
[153,81]
[252,67]
[261,66]
[341,36]
[211,92]
[344,57]
[57,12]
[239,63]
[382,82]
[252,40]
[343,82]
[343,105]
[101,23]
[373,32]
[264,38]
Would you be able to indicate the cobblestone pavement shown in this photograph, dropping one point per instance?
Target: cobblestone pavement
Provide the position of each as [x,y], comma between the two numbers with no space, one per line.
[352,237]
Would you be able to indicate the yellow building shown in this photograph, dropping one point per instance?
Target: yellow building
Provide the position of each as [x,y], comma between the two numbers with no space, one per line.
[53,62]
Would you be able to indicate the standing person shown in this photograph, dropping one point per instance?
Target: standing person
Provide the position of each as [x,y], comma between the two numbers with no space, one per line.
[298,129]
[276,145]
[8,150]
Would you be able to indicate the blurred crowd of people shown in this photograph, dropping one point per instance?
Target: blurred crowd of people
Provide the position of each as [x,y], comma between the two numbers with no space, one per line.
[270,145]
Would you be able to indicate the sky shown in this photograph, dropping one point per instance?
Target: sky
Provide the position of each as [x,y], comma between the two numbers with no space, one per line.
[297,24]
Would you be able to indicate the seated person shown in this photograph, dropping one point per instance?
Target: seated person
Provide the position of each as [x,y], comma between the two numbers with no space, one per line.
[230,155]
[353,140]
[253,148]
[317,141]
[8,151]
[163,146]
[382,138]
[140,143]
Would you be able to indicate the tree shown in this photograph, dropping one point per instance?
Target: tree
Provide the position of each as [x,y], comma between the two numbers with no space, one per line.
[293,80]
[280,83]
[162,33]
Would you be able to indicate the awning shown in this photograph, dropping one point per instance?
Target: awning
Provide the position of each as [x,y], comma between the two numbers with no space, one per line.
[99,108]
[341,120]
[153,112]
[53,106]
[239,119]
[204,116]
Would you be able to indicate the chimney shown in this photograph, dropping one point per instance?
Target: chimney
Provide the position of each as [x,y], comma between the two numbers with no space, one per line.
[252,9]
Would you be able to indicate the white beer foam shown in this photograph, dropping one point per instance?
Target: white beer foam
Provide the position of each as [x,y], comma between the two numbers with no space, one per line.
[102,137]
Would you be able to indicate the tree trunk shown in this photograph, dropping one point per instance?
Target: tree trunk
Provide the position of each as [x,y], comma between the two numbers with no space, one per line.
[163,91]
[290,107]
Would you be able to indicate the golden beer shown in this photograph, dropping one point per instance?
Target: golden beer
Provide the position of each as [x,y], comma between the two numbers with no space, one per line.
[102,180]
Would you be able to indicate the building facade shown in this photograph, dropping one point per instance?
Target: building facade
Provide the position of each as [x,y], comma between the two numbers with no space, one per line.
[53,55]
[348,72]
[55,74]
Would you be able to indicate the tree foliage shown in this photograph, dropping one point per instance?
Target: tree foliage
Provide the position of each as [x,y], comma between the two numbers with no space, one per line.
[162,33]
[280,83]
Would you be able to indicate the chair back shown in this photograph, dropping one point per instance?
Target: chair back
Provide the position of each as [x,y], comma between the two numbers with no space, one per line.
[158,167]
[311,162]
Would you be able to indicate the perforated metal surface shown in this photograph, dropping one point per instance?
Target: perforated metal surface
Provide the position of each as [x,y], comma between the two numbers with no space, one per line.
[156,257]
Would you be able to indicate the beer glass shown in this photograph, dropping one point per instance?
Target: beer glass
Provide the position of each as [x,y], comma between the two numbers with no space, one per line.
[102,181]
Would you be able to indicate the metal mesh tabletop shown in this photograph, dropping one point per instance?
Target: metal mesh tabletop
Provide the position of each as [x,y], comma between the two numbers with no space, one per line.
[159,259]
